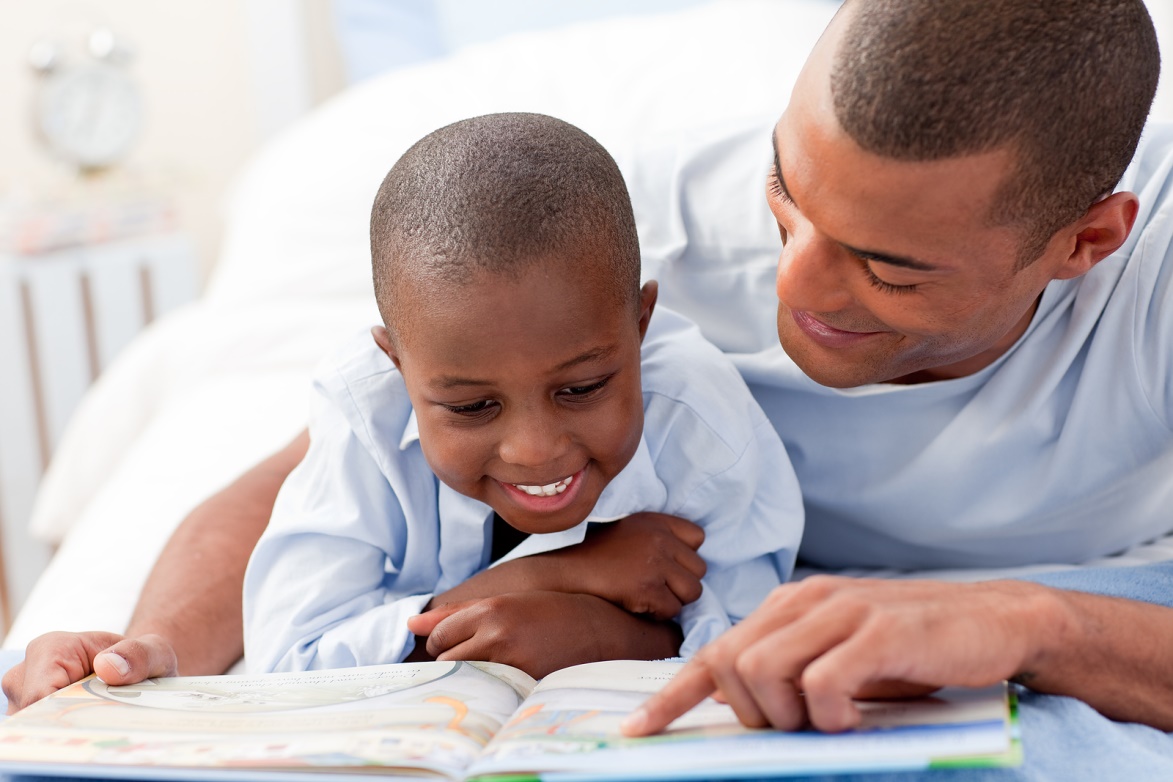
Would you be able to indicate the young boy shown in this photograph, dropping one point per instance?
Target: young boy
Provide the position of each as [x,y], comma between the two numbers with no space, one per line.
[503,397]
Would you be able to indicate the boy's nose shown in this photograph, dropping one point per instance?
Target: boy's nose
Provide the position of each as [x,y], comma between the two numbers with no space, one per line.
[532,440]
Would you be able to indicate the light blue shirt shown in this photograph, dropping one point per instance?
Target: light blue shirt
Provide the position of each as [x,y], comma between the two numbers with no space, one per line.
[1061,451]
[363,533]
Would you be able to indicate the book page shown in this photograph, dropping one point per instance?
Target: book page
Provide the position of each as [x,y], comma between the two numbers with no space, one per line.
[570,724]
[433,717]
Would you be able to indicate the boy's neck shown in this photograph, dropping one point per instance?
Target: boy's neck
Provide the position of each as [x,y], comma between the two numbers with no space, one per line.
[505,538]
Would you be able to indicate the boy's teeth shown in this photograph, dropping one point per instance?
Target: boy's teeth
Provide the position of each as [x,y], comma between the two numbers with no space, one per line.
[549,490]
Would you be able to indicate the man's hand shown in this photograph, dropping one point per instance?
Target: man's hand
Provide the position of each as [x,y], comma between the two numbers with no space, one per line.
[540,632]
[647,563]
[56,660]
[814,645]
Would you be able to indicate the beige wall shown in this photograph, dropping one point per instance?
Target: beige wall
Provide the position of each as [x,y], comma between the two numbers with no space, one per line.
[219,78]
[198,65]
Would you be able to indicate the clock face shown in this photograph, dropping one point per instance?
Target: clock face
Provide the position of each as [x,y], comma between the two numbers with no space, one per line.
[90,114]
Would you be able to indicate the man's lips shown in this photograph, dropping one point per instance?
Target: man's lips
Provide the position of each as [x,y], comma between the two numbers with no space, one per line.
[828,336]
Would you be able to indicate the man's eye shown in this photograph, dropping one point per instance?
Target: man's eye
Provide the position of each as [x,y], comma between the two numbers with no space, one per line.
[885,287]
[774,185]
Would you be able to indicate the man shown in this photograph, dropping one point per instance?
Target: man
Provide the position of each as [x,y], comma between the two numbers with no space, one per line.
[949,254]
[977,299]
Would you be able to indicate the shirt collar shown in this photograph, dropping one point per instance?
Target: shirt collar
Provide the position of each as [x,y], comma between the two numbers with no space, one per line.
[411,432]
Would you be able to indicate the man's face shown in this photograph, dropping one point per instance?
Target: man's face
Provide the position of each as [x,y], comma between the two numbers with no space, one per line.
[890,270]
[527,391]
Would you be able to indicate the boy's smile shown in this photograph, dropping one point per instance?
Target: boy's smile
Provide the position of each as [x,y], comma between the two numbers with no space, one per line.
[526,389]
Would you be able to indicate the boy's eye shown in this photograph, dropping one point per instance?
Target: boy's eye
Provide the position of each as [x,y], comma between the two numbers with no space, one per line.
[473,409]
[583,392]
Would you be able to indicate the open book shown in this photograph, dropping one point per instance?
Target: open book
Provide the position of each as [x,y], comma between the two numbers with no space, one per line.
[456,721]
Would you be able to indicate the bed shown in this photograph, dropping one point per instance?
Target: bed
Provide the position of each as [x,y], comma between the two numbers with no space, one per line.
[217,385]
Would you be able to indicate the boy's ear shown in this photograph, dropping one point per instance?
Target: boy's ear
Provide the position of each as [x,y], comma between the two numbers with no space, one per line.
[647,303]
[1099,233]
[383,340]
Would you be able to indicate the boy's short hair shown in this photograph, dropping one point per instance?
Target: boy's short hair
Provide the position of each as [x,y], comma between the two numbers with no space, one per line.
[1065,84]
[496,194]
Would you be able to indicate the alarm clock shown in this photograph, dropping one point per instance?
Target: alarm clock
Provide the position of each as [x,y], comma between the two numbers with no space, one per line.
[88,113]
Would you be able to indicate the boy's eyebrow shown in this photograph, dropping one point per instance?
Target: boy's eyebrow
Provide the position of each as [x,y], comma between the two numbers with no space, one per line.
[867,255]
[591,355]
[594,354]
[449,381]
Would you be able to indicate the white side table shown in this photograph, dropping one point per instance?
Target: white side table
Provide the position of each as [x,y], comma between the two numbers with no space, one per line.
[63,317]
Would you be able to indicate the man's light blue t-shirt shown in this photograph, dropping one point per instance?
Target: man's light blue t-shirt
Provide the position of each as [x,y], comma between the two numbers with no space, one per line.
[1059,452]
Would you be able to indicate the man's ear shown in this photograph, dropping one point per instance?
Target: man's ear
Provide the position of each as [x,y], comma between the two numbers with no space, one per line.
[1099,233]
[647,303]
[383,340]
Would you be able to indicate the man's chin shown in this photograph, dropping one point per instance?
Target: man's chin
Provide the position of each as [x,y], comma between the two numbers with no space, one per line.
[832,372]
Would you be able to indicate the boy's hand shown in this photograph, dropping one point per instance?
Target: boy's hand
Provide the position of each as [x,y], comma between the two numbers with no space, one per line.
[647,563]
[56,660]
[540,632]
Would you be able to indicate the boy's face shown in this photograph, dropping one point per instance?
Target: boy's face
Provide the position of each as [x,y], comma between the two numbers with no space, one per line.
[527,391]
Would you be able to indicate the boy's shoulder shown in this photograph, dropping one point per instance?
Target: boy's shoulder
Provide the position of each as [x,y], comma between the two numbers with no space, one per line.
[360,381]
[692,391]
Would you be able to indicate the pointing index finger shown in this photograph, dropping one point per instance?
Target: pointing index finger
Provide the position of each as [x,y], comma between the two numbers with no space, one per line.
[688,688]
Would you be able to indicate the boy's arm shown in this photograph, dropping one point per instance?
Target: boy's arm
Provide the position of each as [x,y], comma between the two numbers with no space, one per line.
[540,632]
[188,618]
[753,519]
[646,563]
[349,553]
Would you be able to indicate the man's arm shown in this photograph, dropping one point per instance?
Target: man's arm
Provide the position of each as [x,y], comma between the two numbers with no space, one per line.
[814,645]
[188,618]
[193,594]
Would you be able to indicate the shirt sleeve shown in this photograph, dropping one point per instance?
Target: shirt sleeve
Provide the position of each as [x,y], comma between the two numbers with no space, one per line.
[753,519]
[324,587]
[726,470]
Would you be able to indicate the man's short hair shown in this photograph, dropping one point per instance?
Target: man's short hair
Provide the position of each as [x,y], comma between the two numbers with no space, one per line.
[1066,85]
[496,194]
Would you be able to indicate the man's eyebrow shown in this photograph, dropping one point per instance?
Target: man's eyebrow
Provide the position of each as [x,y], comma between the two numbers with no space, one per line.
[890,260]
[867,255]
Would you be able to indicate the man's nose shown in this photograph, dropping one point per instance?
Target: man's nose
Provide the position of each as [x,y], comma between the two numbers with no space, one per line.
[533,438]
[811,275]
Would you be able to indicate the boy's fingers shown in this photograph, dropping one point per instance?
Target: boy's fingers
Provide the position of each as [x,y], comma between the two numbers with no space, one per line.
[661,604]
[692,562]
[690,534]
[133,660]
[688,688]
[685,587]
